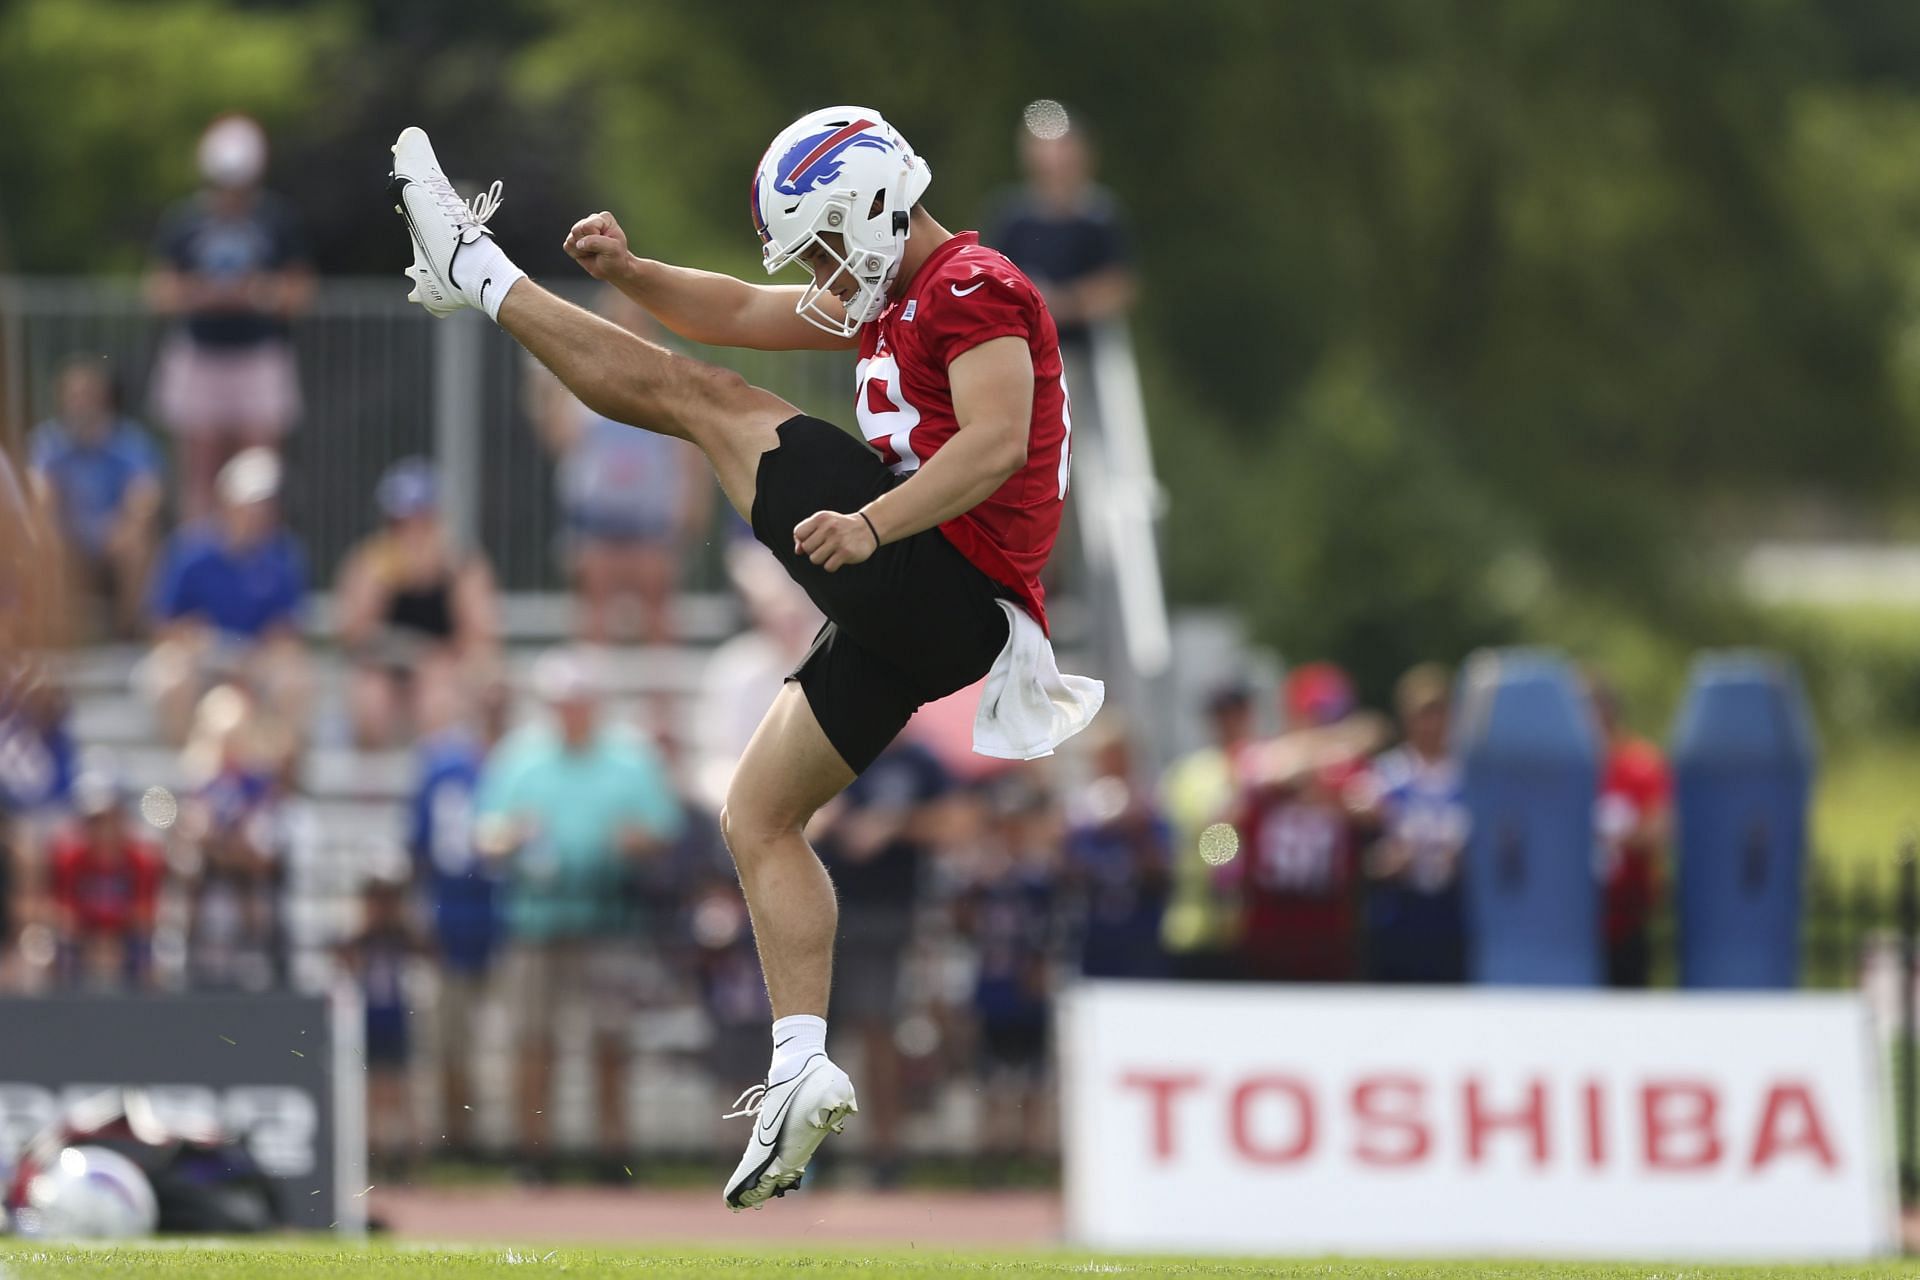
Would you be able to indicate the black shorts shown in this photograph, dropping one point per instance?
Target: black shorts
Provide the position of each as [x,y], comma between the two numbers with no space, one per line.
[914,623]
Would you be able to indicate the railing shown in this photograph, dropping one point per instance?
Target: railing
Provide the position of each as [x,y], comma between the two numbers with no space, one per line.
[377,375]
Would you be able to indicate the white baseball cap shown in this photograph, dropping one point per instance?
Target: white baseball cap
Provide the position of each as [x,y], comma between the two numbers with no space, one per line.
[564,675]
[252,475]
[233,152]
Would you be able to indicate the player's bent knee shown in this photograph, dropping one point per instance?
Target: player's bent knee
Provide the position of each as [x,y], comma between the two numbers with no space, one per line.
[721,400]
[750,830]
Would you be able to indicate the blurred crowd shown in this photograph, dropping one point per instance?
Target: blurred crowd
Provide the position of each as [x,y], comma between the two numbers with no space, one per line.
[558,869]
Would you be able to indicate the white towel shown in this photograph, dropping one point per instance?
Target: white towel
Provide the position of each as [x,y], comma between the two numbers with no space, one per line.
[1028,708]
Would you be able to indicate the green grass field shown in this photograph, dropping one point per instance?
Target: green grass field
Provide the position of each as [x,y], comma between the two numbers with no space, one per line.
[401,1262]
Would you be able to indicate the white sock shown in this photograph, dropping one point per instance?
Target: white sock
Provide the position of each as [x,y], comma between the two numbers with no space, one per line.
[481,261]
[796,1038]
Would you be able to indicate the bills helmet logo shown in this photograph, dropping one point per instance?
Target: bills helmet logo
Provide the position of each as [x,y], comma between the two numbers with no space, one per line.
[815,161]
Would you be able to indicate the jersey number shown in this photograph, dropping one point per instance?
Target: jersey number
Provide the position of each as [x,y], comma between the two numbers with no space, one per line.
[887,419]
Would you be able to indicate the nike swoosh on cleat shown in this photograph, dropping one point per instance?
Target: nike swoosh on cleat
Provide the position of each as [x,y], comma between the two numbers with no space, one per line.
[483,292]
[762,1130]
[958,292]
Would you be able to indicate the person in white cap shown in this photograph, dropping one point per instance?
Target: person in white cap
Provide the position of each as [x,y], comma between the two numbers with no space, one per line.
[230,268]
[227,600]
[566,804]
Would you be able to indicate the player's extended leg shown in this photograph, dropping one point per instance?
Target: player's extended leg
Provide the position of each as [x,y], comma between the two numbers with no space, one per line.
[613,372]
[788,771]
[626,378]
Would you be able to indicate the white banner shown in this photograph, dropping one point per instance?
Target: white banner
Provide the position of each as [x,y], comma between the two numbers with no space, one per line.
[1371,1121]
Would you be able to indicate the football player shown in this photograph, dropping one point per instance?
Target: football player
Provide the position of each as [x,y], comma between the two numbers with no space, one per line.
[923,546]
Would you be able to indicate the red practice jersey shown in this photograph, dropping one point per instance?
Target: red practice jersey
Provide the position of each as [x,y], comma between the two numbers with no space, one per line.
[1634,787]
[963,295]
[106,895]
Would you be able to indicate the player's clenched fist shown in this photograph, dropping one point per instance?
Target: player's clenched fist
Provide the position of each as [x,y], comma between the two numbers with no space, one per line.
[833,541]
[598,244]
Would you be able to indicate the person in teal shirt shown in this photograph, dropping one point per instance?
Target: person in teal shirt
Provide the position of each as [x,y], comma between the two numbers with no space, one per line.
[567,804]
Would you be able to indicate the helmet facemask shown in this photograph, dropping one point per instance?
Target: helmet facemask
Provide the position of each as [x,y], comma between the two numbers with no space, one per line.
[869,254]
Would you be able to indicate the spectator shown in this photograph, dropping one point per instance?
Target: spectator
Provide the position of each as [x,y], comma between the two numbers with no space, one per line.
[415,613]
[1632,821]
[874,839]
[633,502]
[106,885]
[99,474]
[727,968]
[1012,911]
[38,758]
[1117,850]
[227,601]
[378,957]
[37,767]
[1201,925]
[1297,837]
[1415,928]
[231,843]
[230,269]
[31,716]
[461,886]
[567,804]
[1064,231]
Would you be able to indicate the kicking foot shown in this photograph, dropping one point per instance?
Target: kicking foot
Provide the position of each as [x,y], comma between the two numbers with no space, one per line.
[444,228]
[790,1121]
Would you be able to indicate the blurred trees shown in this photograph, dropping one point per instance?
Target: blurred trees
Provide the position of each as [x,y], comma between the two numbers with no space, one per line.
[1462,316]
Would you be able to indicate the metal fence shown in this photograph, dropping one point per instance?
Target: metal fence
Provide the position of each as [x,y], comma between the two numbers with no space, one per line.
[377,374]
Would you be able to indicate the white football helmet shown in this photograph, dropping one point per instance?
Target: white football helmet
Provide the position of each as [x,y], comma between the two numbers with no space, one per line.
[89,1193]
[842,171]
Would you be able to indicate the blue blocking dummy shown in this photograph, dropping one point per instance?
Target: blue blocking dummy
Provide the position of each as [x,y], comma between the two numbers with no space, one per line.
[1743,765]
[1530,761]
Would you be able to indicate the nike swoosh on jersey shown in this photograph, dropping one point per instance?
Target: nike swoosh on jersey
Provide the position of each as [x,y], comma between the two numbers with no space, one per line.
[958,292]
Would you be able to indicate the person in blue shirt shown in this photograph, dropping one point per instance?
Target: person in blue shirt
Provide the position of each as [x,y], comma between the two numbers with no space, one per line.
[1119,858]
[1415,923]
[379,957]
[99,474]
[460,885]
[227,600]
[634,502]
[37,753]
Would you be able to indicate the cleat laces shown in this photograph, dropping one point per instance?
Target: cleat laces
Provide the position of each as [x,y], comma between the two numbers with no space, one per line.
[465,215]
[751,1098]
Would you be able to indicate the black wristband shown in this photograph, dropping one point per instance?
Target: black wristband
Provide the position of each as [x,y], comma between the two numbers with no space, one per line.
[870,529]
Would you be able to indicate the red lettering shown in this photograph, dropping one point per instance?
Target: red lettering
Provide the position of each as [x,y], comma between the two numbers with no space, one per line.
[1789,1125]
[1391,1132]
[1596,1110]
[1162,1089]
[1531,1118]
[1677,1123]
[1243,1137]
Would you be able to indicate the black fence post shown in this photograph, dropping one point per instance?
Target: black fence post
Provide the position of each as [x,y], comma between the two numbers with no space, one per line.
[1909,1069]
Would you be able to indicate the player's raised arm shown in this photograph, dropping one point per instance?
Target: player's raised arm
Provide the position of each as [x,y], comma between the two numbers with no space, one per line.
[701,306]
[993,402]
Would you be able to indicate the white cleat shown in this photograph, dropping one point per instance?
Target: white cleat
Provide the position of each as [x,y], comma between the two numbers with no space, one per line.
[790,1121]
[441,222]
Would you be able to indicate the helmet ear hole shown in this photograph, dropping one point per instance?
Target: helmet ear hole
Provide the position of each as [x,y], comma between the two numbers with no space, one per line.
[878,206]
